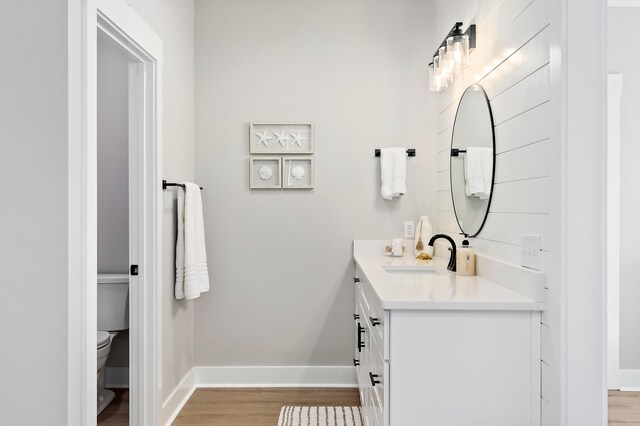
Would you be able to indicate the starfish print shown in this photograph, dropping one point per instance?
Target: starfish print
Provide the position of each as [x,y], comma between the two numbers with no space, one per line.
[263,138]
[281,138]
[298,138]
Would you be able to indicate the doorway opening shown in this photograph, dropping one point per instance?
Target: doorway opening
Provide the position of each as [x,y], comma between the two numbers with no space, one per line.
[120,224]
[113,232]
[623,201]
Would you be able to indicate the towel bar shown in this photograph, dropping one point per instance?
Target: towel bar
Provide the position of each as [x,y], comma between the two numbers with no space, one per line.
[165,184]
[456,152]
[410,152]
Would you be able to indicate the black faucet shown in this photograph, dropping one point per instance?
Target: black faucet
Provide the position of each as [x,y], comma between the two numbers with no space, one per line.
[452,260]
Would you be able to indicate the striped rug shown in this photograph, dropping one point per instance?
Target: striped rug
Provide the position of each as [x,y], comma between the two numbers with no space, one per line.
[320,416]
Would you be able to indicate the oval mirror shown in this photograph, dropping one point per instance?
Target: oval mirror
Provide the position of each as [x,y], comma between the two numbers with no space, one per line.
[472,162]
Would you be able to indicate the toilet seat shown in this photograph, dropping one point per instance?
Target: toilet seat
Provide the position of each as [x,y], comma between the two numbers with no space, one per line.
[103,339]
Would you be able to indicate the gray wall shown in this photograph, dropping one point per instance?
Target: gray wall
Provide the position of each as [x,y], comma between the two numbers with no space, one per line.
[113,160]
[173,21]
[622,59]
[280,260]
[33,229]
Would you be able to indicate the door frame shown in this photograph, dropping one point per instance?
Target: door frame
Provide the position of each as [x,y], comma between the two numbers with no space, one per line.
[117,21]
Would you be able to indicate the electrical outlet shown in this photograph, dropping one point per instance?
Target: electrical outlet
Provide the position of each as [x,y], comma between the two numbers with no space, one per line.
[409,229]
[530,251]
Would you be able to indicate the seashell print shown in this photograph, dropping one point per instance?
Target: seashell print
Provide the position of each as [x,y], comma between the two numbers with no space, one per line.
[298,172]
[265,172]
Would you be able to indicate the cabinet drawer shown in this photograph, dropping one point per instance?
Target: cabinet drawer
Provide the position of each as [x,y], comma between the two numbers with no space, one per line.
[358,350]
[371,327]
[377,319]
[377,410]
[369,411]
[378,378]
[358,326]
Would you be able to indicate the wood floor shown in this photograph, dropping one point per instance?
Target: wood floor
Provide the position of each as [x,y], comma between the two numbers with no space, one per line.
[624,408]
[253,406]
[256,406]
[116,413]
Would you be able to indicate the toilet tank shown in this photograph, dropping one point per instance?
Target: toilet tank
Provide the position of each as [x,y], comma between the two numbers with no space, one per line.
[113,302]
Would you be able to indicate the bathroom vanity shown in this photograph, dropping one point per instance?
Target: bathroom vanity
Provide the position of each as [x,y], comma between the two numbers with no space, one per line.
[433,348]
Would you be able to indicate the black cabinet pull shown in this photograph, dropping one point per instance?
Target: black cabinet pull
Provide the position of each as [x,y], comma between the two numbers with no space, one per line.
[373,378]
[356,362]
[356,316]
[374,321]
[360,341]
[356,280]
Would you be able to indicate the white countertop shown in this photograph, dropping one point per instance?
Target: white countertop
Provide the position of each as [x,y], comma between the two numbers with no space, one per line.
[437,290]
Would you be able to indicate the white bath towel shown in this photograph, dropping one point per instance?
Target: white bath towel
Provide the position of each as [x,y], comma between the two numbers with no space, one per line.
[192,274]
[393,172]
[478,172]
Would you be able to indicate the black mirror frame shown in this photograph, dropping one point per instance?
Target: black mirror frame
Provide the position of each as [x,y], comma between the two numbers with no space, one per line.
[453,152]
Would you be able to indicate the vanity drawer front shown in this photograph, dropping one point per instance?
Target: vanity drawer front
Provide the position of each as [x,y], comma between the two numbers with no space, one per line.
[377,334]
[364,354]
[376,410]
[359,324]
[360,295]
[378,378]
[373,322]
[369,412]
[359,349]
[377,319]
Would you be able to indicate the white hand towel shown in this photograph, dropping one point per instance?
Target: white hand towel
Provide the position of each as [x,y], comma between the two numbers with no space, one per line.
[478,172]
[192,274]
[393,172]
[179,286]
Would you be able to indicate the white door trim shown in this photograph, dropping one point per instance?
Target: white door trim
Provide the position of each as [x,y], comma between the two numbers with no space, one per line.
[583,334]
[614,91]
[82,220]
[117,21]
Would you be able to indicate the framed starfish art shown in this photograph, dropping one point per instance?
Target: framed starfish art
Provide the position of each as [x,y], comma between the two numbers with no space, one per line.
[280,138]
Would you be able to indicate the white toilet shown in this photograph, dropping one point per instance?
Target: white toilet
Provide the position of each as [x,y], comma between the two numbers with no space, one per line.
[113,316]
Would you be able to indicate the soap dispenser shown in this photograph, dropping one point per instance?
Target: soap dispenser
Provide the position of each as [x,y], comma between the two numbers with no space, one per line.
[466,259]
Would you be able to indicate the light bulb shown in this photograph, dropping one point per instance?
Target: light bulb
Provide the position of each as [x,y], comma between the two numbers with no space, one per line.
[464,46]
[440,73]
[433,86]
[445,65]
[454,53]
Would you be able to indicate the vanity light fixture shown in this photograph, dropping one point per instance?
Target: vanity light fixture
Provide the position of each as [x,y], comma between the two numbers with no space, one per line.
[452,56]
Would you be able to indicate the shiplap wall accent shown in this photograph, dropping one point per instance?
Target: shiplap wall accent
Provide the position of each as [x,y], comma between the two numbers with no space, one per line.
[512,62]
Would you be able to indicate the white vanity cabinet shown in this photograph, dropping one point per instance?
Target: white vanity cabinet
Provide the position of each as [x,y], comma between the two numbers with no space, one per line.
[372,357]
[462,365]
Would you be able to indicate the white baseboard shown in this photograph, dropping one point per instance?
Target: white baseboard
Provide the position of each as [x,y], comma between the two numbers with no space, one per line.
[178,398]
[312,376]
[117,377]
[239,377]
[629,380]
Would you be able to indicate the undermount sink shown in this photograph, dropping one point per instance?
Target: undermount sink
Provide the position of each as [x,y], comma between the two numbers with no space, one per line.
[412,272]
[409,265]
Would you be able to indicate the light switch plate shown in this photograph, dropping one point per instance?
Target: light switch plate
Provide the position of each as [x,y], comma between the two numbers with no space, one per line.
[409,229]
[530,251]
